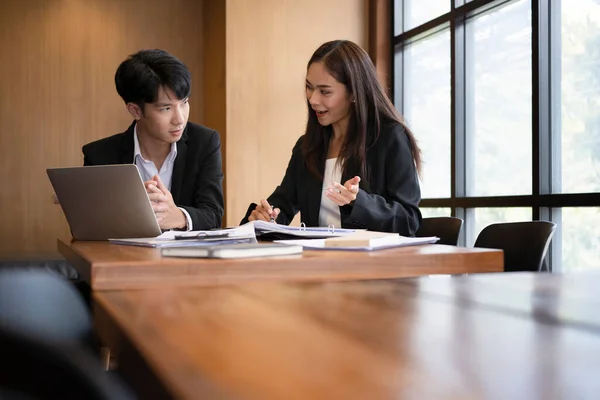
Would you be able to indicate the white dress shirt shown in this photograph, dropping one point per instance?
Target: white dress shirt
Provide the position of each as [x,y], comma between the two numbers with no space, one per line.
[329,213]
[147,169]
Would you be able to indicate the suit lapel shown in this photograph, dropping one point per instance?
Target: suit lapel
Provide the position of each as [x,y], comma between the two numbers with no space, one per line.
[127,145]
[179,167]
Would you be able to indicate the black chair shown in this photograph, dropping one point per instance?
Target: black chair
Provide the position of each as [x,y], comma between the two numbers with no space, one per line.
[47,342]
[57,265]
[446,228]
[43,304]
[36,368]
[525,244]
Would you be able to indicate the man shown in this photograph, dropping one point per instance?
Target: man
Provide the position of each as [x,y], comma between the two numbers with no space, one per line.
[179,161]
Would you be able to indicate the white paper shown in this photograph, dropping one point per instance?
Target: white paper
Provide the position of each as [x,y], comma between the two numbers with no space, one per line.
[401,241]
[241,234]
[300,231]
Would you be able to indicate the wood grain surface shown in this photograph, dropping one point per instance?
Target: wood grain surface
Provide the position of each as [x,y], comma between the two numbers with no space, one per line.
[116,267]
[386,339]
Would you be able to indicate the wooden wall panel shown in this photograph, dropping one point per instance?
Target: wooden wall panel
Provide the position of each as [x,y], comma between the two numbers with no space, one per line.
[380,40]
[214,75]
[57,93]
[269,43]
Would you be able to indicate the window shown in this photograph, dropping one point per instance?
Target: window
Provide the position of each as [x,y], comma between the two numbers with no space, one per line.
[504,98]
[411,13]
[580,97]
[498,75]
[435,212]
[580,244]
[427,108]
[483,217]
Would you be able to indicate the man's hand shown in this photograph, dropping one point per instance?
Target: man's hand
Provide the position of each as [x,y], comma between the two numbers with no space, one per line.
[167,213]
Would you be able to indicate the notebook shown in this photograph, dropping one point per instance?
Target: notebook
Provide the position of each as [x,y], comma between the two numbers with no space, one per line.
[363,239]
[233,251]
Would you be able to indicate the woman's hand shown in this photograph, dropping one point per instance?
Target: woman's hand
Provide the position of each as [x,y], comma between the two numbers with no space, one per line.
[346,194]
[264,212]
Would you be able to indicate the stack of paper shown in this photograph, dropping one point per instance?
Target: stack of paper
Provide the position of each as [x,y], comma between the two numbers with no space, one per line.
[241,234]
[314,238]
[362,241]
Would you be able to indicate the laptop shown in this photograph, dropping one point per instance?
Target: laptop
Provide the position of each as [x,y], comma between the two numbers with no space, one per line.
[104,202]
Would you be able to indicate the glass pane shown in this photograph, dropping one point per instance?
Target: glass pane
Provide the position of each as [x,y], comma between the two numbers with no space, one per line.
[435,212]
[499,102]
[417,12]
[482,217]
[580,241]
[426,106]
[580,97]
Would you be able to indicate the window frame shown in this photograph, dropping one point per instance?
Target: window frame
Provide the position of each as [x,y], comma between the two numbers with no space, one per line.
[546,118]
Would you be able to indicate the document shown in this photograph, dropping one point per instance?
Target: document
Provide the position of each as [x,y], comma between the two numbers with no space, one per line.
[363,239]
[399,241]
[273,231]
[242,234]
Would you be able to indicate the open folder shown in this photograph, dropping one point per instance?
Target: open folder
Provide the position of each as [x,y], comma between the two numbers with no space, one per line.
[272,231]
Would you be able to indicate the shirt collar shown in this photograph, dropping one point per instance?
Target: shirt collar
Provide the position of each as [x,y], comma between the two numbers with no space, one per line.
[137,151]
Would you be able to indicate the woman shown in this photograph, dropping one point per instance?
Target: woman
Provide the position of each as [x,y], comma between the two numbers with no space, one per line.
[354,135]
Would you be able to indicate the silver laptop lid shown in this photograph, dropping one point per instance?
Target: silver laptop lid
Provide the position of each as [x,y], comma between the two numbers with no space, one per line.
[104,202]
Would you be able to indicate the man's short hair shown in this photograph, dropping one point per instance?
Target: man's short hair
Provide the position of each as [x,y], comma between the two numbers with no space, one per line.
[142,74]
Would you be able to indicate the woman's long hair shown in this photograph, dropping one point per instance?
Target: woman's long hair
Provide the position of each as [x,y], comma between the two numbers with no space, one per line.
[350,65]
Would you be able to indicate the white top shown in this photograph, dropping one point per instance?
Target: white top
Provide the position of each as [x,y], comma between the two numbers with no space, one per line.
[330,212]
[148,169]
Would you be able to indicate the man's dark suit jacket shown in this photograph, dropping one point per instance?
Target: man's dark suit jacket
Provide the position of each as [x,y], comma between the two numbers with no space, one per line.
[388,199]
[197,179]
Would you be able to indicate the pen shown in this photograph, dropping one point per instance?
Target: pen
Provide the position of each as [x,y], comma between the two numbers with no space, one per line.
[272,212]
[202,237]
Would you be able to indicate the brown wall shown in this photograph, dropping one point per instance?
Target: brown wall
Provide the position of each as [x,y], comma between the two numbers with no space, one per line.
[214,75]
[247,59]
[57,65]
[269,43]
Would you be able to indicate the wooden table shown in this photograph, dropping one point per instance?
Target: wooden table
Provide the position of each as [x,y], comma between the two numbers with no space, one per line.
[108,266]
[502,336]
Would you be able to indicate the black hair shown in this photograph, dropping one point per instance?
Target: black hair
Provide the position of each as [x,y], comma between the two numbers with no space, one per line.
[350,65]
[142,74]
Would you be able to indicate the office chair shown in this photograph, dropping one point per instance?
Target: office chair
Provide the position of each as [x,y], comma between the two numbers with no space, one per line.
[34,367]
[43,304]
[446,228]
[525,244]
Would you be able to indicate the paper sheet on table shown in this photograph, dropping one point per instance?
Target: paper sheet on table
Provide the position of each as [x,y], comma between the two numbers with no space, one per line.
[241,234]
[402,241]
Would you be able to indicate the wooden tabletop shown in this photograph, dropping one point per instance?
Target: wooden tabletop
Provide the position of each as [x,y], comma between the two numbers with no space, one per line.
[109,266]
[502,336]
